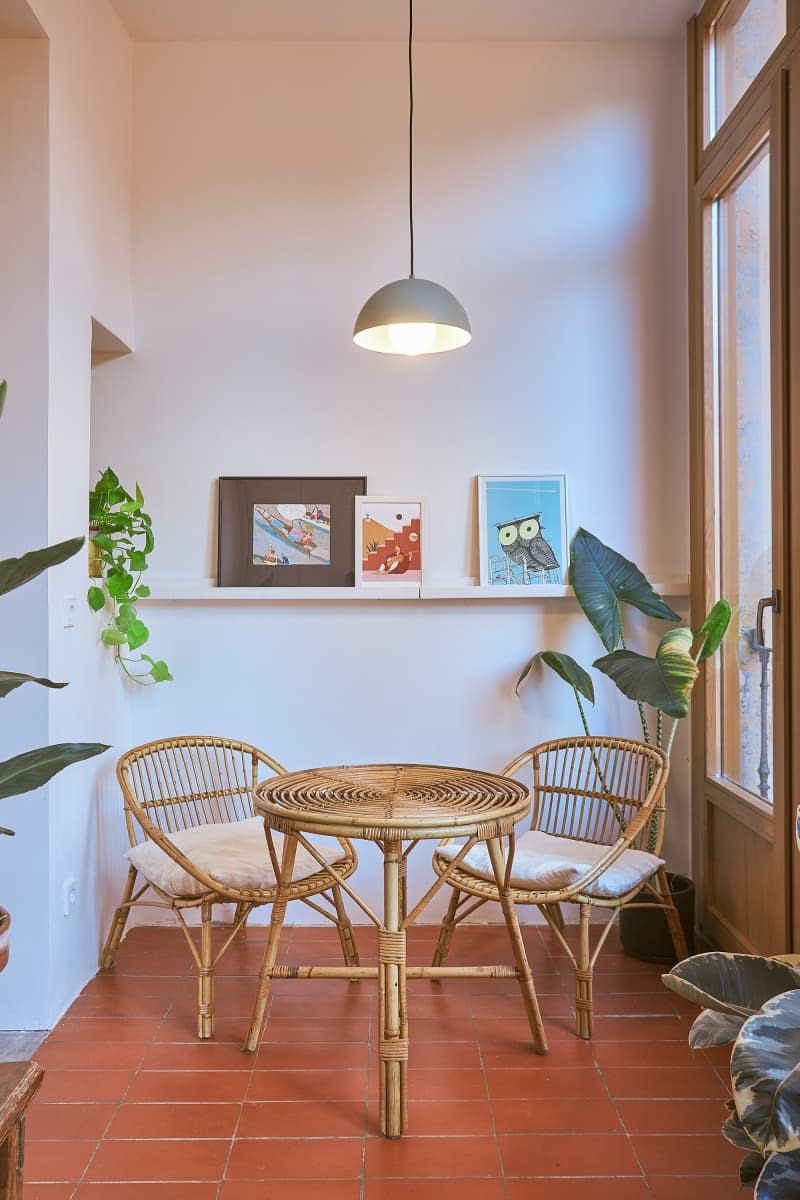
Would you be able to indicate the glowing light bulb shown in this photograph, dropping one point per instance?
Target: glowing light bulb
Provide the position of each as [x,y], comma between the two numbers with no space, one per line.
[413,338]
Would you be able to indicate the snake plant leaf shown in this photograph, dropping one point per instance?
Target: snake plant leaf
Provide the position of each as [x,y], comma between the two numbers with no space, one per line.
[714,1029]
[733,1132]
[665,681]
[3,390]
[14,679]
[565,667]
[765,1072]
[16,571]
[779,1178]
[602,579]
[28,771]
[713,629]
[738,984]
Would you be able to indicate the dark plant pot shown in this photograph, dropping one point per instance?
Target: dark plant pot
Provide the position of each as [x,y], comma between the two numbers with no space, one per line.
[5,937]
[644,931]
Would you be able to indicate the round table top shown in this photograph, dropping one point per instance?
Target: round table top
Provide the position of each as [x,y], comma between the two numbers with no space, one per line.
[401,800]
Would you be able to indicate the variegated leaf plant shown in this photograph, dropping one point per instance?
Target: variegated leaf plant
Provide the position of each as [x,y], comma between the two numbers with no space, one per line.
[754,1003]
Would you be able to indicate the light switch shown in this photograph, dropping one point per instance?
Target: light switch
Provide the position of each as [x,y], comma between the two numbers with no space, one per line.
[68,611]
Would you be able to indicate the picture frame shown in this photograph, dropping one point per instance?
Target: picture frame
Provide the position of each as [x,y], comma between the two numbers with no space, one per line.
[287,531]
[522,530]
[389,536]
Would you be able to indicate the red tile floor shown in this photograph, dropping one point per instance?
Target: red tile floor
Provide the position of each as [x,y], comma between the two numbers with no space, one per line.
[134,1106]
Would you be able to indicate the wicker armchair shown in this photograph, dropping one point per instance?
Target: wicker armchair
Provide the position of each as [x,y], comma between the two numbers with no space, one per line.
[191,797]
[596,832]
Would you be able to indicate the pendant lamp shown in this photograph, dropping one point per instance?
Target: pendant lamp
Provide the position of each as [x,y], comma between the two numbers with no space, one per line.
[411,316]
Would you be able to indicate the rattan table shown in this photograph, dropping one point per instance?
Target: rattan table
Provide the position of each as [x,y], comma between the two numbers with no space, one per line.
[392,805]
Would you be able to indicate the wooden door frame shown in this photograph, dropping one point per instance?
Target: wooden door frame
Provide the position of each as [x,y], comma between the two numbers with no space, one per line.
[711,166]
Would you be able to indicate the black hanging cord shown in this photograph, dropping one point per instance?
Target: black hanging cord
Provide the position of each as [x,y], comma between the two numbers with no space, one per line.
[411,134]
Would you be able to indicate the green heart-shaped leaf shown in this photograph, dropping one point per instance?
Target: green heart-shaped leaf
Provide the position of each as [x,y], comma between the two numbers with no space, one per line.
[602,580]
[665,681]
[565,667]
[713,629]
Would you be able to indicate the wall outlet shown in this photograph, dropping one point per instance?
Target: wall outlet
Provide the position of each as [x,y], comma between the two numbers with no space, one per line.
[68,611]
[69,896]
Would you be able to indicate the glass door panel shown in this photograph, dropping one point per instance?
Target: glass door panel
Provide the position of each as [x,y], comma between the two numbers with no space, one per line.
[741,40]
[740,745]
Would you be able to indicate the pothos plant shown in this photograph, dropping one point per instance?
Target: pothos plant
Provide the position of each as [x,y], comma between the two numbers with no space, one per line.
[122,533]
[603,580]
[30,770]
[754,1003]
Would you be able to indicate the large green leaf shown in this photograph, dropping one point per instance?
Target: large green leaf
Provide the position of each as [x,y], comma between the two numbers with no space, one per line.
[779,1178]
[31,770]
[714,1029]
[565,667]
[16,571]
[665,681]
[738,984]
[603,579]
[14,679]
[765,1071]
[713,629]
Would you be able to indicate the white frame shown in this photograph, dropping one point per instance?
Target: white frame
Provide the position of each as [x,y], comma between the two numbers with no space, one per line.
[483,547]
[397,581]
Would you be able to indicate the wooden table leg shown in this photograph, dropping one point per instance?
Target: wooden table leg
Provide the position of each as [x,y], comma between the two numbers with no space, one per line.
[392,1001]
[271,951]
[518,946]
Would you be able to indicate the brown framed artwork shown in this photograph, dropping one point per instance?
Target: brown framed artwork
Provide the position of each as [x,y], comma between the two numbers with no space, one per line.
[287,531]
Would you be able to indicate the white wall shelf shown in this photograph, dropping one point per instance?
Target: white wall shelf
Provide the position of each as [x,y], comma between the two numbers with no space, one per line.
[182,591]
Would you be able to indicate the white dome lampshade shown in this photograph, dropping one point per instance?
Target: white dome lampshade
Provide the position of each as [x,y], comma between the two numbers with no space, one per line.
[412,316]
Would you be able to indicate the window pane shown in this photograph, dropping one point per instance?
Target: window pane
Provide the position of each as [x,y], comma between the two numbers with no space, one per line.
[742,507]
[742,39]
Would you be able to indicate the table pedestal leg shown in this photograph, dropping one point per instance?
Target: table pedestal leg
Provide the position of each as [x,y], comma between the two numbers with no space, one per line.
[271,952]
[392,1000]
[518,946]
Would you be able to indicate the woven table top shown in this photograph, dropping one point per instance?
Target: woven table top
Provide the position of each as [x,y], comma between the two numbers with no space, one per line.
[392,800]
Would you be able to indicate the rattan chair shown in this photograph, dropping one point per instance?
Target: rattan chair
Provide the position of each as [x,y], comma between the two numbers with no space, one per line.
[197,788]
[596,831]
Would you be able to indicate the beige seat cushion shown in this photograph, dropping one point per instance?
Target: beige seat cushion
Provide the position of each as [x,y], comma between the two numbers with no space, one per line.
[235,853]
[545,863]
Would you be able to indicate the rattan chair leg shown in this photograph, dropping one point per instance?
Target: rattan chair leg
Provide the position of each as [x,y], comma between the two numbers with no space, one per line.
[241,907]
[345,929]
[119,922]
[673,918]
[583,977]
[205,975]
[271,951]
[518,946]
[446,931]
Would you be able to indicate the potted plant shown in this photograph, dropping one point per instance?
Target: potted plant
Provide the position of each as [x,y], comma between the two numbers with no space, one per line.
[121,542]
[30,770]
[754,1003]
[603,581]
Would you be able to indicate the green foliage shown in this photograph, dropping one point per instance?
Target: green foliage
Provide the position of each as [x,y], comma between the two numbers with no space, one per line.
[28,771]
[603,581]
[754,1002]
[123,537]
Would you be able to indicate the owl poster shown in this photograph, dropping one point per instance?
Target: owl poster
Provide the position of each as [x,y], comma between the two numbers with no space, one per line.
[523,530]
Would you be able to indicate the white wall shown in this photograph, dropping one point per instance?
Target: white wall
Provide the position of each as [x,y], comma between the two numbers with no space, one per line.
[269,196]
[24,868]
[89,117]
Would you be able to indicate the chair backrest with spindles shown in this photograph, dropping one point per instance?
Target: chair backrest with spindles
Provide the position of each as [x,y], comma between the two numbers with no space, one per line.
[594,788]
[181,782]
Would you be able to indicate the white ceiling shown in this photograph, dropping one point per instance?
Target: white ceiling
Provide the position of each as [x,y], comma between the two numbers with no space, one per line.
[17,20]
[385,20]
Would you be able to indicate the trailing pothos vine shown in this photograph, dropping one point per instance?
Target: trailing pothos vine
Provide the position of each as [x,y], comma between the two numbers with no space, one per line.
[122,534]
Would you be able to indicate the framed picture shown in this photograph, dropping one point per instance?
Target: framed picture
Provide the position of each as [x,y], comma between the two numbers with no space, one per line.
[388,535]
[287,532]
[522,522]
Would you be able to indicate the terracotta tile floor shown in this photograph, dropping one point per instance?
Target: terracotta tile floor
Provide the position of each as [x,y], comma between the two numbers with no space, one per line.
[134,1106]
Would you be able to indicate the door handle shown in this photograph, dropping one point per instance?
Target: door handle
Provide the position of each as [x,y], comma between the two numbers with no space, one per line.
[773,602]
